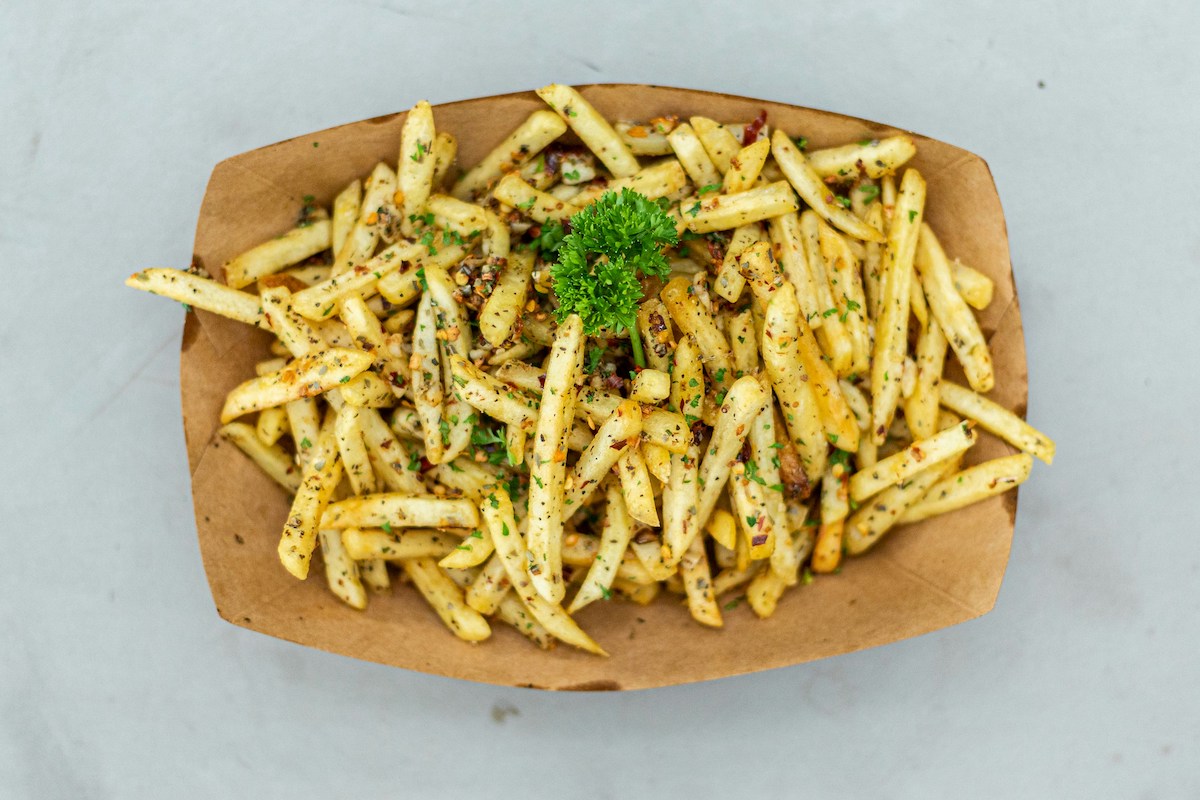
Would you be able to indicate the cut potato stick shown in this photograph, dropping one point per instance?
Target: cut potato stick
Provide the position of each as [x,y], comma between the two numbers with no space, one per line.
[533,203]
[835,341]
[353,450]
[749,500]
[975,287]
[635,483]
[767,586]
[729,280]
[373,573]
[491,585]
[415,164]
[722,212]
[472,551]
[921,407]
[374,216]
[445,151]
[835,505]
[663,179]
[503,307]
[403,286]
[614,539]
[457,216]
[694,318]
[790,380]
[525,142]
[697,583]
[320,480]
[304,420]
[444,596]
[428,390]
[812,189]
[952,313]
[745,400]
[194,291]
[273,255]
[298,335]
[305,377]
[644,139]
[916,457]
[873,157]
[869,523]
[891,326]
[271,425]
[972,485]
[400,511]
[271,458]
[792,544]
[591,128]
[548,467]
[682,491]
[601,455]
[997,419]
[790,248]
[395,462]
[454,339]
[872,268]
[346,212]
[514,612]
[691,154]
[658,340]
[719,143]
[368,390]
[497,513]
[341,571]
[746,166]
[846,285]
[319,301]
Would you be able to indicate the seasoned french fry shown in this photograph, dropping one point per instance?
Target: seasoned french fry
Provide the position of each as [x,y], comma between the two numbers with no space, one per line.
[635,483]
[394,462]
[446,599]
[916,457]
[271,458]
[697,582]
[719,143]
[720,212]
[835,505]
[273,255]
[975,287]
[457,216]
[745,400]
[767,586]
[474,549]
[497,512]
[952,314]
[530,138]
[835,341]
[353,450]
[790,246]
[872,268]
[404,286]
[454,339]
[304,377]
[400,511]
[657,339]
[997,419]
[368,390]
[691,154]
[921,407]
[729,281]
[602,454]
[319,301]
[870,522]
[790,380]
[891,326]
[427,386]
[681,493]
[535,204]
[663,179]
[197,292]
[848,297]
[271,425]
[614,539]
[874,157]
[548,468]
[814,192]
[644,139]
[373,572]
[346,207]
[320,480]
[415,164]
[445,151]
[491,585]
[745,167]
[503,307]
[374,216]
[591,128]
[694,318]
[341,572]
[972,485]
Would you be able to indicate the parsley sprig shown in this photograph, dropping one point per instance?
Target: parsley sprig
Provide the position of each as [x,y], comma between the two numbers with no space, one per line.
[612,242]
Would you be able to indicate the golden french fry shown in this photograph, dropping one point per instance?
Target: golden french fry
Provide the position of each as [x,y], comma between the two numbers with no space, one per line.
[996,419]
[353,450]
[532,202]
[835,505]
[916,457]
[812,189]
[375,214]
[305,377]
[346,207]
[321,477]
[746,166]
[503,307]
[971,486]
[427,385]
[870,522]
[273,255]
[691,154]
[745,400]
[720,212]
[975,287]
[614,539]
[719,143]
[635,483]
[271,458]
[415,164]
[400,511]
[681,493]
[319,301]
[445,151]
[530,138]
[835,341]
[394,461]
[197,292]
[790,380]
[491,585]
[271,425]
[341,572]
[644,139]
[921,407]
[697,582]
[848,296]
[373,573]
[444,596]
[591,128]
[874,157]
[474,549]
[694,318]
[789,246]
[602,454]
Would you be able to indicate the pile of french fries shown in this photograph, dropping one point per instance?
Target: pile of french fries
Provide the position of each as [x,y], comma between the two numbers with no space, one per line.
[428,413]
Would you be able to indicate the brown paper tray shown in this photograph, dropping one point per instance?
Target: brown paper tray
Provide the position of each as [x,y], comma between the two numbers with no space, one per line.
[919,579]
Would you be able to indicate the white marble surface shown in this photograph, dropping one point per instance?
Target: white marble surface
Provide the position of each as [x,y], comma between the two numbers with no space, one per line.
[117,678]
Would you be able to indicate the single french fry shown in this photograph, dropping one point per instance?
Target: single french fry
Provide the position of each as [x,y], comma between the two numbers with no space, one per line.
[368,390]
[503,307]
[501,523]
[791,381]
[415,164]
[601,455]
[341,571]
[427,386]
[377,544]
[746,166]
[663,179]
[723,528]
[846,286]
[473,550]
[871,521]
[814,192]
[952,313]
[971,485]
[765,589]
[445,152]
[491,585]
[835,506]
[921,407]
[691,154]
[614,539]
[694,318]
[404,286]
[658,340]
[975,287]
[304,377]
[793,543]
[373,573]
[891,326]
[375,215]
[719,143]
[273,255]
[720,212]
[456,216]
[346,207]
[681,493]
[873,157]
[353,450]
[744,401]
[271,425]
[749,499]
[789,246]
[271,458]
[526,141]
[635,483]
[831,333]
[395,462]
[644,139]
[444,596]
[454,339]
[872,268]
[400,511]
[729,280]
[197,292]
[697,582]
[591,128]
[304,421]
[535,204]
[916,457]
[514,612]
[548,468]
[320,480]
[319,301]
[996,419]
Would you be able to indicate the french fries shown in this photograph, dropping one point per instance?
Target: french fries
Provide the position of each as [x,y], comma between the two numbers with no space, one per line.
[515,406]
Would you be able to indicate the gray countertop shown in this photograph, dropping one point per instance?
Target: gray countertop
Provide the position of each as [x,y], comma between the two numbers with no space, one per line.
[117,678]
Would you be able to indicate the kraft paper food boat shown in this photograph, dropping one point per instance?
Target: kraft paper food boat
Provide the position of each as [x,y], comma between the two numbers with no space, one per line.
[919,579]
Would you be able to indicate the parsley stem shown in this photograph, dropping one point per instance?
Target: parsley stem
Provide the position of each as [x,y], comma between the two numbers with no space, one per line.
[635,339]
